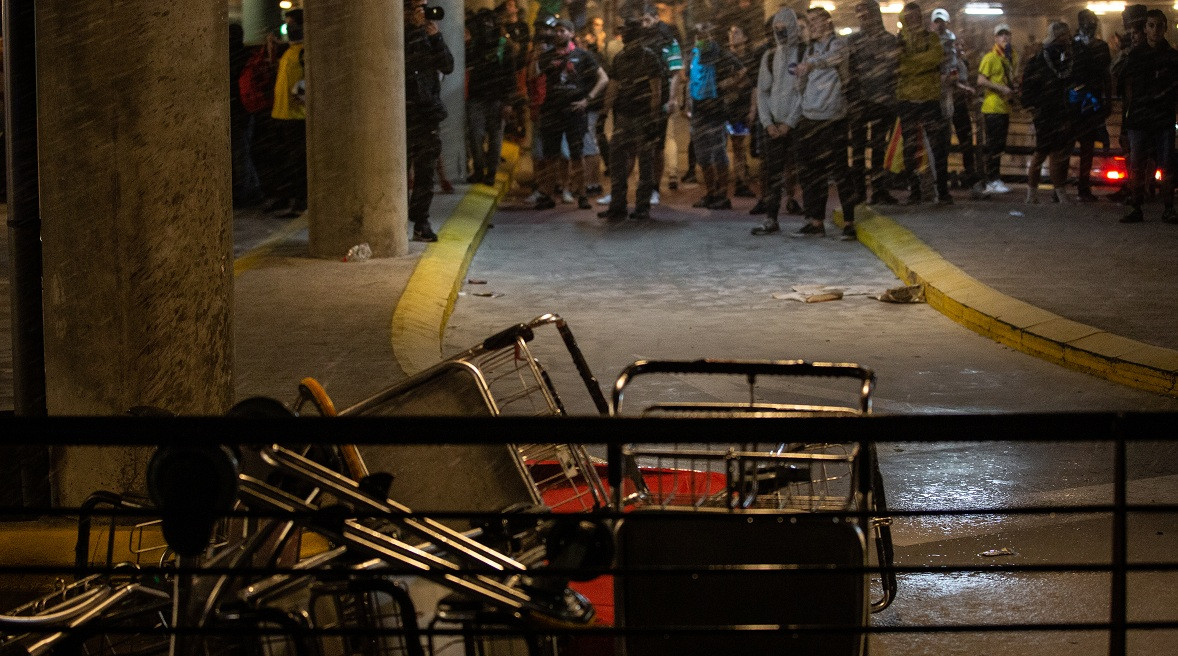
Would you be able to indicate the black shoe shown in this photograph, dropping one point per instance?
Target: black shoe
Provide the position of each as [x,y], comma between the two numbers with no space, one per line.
[612,215]
[883,198]
[945,199]
[849,232]
[583,203]
[810,230]
[1118,195]
[593,190]
[703,202]
[689,179]
[422,232]
[759,208]
[489,179]
[640,214]
[279,204]
[769,227]
[742,191]
[913,198]
[1087,197]
[1134,215]
[544,202]
[1169,215]
[792,206]
[474,178]
[720,204]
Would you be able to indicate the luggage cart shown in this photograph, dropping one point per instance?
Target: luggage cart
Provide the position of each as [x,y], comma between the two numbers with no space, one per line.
[797,512]
[500,376]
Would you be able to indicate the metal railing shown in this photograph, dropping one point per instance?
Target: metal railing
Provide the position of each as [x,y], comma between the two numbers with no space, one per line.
[373,576]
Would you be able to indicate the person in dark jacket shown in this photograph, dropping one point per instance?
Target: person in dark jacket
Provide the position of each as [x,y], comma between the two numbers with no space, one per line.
[1091,73]
[1150,90]
[426,59]
[1046,82]
[490,63]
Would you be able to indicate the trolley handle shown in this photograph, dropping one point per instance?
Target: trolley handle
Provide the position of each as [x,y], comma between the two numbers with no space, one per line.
[749,368]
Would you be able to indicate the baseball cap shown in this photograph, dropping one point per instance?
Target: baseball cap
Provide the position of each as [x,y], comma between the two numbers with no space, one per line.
[941,14]
[1000,28]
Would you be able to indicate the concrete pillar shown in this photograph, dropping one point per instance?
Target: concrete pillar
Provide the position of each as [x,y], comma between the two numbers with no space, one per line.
[356,159]
[137,211]
[258,17]
[453,129]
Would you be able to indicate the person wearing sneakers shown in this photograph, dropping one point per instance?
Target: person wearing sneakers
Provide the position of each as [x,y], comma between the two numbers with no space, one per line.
[714,76]
[634,97]
[1046,82]
[996,78]
[918,101]
[572,80]
[820,123]
[778,96]
[1150,82]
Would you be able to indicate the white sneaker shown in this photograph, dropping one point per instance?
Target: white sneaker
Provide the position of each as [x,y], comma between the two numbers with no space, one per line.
[654,197]
[531,200]
[566,197]
[997,187]
[605,200]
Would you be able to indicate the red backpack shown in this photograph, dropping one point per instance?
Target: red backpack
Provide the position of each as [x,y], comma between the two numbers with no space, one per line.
[256,83]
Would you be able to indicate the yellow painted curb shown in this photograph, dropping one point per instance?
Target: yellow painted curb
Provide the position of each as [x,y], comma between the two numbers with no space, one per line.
[253,257]
[419,320]
[1010,321]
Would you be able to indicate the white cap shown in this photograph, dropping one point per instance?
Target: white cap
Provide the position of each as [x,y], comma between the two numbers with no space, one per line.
[1001,27]
[941,14]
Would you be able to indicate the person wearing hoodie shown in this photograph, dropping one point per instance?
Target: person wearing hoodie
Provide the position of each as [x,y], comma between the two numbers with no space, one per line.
[820,121]
[1150,82]
[918,97]
[778,95]
[874,56]
[1091,71]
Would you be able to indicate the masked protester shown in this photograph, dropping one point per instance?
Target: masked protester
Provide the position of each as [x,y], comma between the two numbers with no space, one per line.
[1046,82]
[715,75]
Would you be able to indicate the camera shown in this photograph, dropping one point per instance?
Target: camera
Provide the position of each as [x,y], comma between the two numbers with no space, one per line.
[435,13]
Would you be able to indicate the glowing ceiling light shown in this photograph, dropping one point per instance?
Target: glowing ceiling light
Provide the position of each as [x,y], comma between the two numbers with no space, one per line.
[825,4]
[983,9]
[1106,7]
[286,4]
[845,31]
[896,7]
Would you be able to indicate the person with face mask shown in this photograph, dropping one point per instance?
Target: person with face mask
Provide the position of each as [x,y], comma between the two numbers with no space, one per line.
[1046,82]
[572,80]
[778,96]
[1094,83]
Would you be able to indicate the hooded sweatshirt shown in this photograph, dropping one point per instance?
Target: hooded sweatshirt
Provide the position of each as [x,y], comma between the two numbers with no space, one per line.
[823,98]
[778,90]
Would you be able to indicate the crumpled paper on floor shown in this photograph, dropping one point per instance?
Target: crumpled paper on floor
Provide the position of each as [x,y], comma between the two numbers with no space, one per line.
[822,293]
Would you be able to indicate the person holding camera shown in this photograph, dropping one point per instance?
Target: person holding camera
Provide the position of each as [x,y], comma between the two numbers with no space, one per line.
[427,59]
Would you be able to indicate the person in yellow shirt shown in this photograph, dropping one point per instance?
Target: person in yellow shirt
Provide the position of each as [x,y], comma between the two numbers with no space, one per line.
[290,112]
[918,101]
[996,77]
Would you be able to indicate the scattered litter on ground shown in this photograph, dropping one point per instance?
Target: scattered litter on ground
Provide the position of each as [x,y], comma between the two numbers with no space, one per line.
[991,553]
[1015,213]
[473,281]
[906,294]
[820,293]
[487,294]
[358,253]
